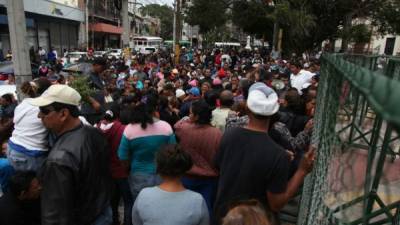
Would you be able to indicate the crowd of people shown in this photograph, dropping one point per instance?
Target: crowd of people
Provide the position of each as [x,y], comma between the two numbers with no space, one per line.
[222,137]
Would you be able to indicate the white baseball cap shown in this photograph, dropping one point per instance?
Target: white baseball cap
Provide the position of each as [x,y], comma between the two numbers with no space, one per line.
[262,100]
[57,93]
[179,93]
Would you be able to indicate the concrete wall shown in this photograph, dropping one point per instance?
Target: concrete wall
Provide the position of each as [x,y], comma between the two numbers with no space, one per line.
[53,9]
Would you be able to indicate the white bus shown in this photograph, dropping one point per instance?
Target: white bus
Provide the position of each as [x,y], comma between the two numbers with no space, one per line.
[146,44]
[227,44]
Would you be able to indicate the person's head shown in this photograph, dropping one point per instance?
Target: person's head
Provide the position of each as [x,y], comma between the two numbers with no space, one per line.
[29,89]
[235,80]
[249,212]
[24,185]
[200,112]
[205,87]
[244,86]
[11,79]
[180,94]
[207,73]
[58,107]
[99,65]
[142,114]
[6,99]
[262,102]
[295,67]
[194,92]
[226,99]
[113,113]
[293,101]
[173,162]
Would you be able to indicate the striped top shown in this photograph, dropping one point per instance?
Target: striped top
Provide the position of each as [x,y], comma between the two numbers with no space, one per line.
[140,145]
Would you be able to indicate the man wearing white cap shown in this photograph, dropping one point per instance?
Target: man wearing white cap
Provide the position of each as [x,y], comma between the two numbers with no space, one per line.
[75,178]
[251,164]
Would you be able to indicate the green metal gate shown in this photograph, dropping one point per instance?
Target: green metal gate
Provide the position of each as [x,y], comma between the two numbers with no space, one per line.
[356,179]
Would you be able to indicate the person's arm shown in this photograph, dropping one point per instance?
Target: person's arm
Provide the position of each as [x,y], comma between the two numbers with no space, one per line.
[204,218]
[277,201]
[57,197]
[123,151]
[136,220]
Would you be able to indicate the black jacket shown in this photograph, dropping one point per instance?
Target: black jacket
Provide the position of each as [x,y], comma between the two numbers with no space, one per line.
[76,178]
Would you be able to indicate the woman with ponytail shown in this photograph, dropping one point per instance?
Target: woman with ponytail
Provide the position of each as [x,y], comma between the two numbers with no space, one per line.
[141,140]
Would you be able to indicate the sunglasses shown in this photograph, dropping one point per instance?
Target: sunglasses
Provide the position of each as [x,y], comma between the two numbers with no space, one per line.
[46,110]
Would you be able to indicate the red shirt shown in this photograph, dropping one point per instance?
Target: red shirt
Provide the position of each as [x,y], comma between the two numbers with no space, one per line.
[114,136]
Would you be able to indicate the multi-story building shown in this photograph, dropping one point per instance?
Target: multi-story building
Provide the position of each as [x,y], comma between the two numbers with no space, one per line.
[105,24]
[190,33]
[50,23]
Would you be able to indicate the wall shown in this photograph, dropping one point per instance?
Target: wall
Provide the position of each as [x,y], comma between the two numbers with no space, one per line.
[51,8]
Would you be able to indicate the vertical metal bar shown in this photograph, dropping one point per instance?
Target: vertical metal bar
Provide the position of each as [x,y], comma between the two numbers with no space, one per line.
[354,115]
[378,173]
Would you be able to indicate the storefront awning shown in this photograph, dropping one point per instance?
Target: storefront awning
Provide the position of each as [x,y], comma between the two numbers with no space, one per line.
[105,28]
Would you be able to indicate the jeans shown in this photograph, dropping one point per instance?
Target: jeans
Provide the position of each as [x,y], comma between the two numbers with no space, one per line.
[121,189]
[22,162]
[207,187]
[138,181]
[105,218]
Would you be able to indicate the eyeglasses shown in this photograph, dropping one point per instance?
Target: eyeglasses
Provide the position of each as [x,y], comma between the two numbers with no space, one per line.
[46,110]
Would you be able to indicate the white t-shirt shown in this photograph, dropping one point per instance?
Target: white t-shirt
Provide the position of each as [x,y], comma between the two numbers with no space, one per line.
[42,52]
[29,131]
[303,77]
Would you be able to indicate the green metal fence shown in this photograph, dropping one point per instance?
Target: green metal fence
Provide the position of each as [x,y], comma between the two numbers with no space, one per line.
[356,179]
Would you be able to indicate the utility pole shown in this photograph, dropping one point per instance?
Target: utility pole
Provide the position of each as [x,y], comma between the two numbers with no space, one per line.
[19,45]
[125,24]
[87,24]
[177,33]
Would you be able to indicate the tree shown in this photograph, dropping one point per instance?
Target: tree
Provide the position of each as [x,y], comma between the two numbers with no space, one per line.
[386,17]
[207,14]
[166,16]
[254,17]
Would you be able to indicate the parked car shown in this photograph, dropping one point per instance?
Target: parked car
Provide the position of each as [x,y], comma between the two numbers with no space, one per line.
[100,54]
[79,68]
[7,68]
[74,57]
[117,53]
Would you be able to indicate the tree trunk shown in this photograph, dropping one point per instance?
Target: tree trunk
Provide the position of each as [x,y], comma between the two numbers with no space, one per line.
[346,30]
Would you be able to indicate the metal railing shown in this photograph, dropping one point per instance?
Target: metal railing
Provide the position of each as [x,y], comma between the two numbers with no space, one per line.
[356,179]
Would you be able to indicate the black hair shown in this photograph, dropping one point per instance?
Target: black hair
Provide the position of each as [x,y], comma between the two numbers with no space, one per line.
[21,181]
[42,85]
[73,110]
[245,84]
[294,101]
[297,64]
[201,109]
[100,61]
[172,161]
[115,112]
[227,99]
[142,114]
[8,97]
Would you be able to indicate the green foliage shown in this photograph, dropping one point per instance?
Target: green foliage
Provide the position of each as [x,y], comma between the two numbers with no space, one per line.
[216,35]
[298,23]
[166,16]
[254,17]
[359,33]
[81,85]
[387,17]
[208,14]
